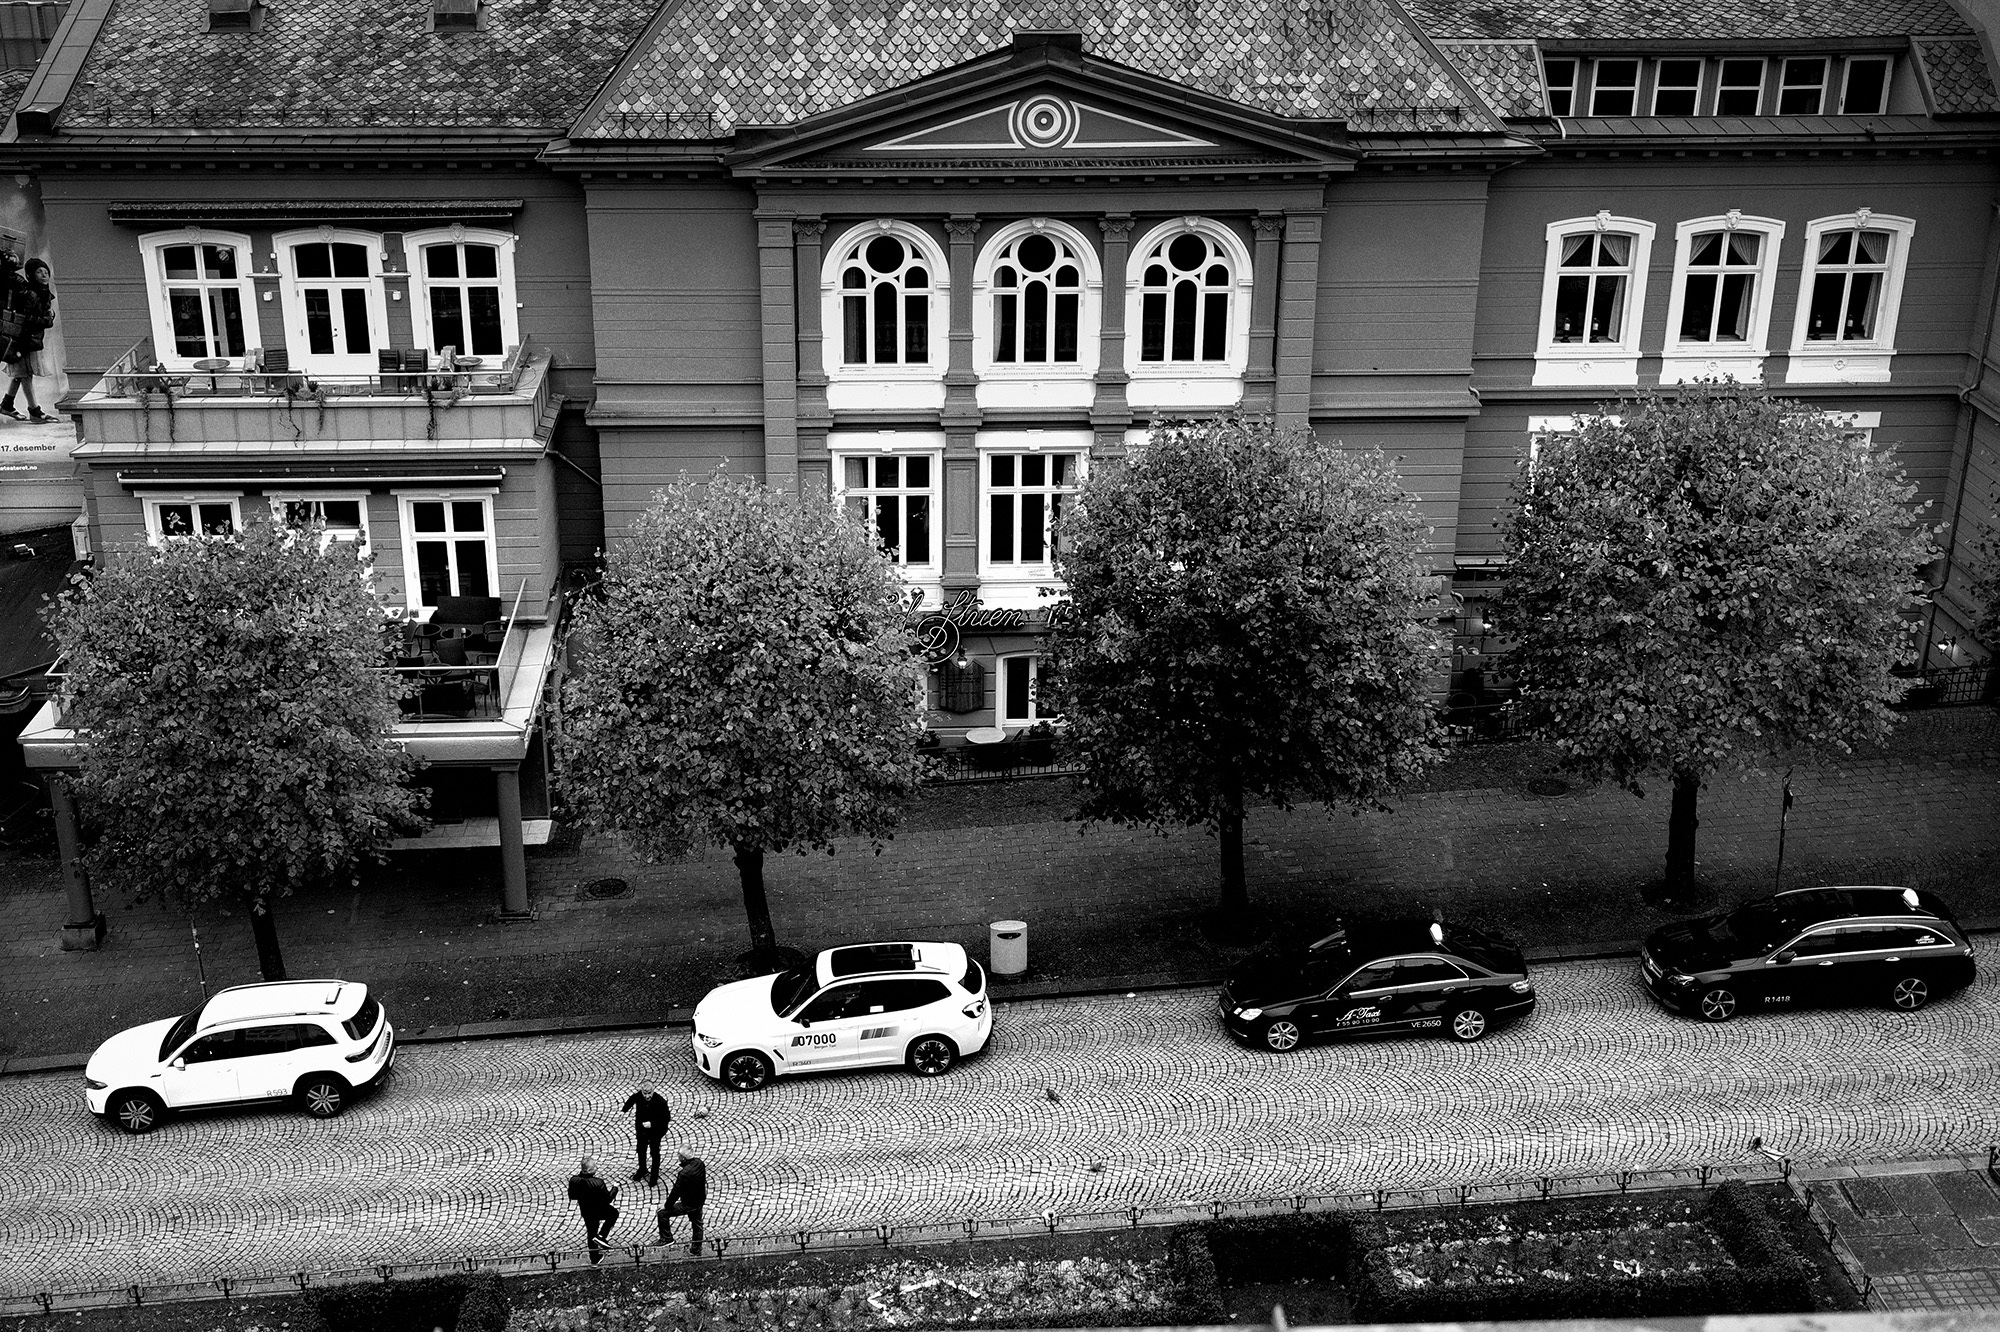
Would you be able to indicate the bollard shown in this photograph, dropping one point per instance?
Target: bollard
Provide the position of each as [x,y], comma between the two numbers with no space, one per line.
[1007,947]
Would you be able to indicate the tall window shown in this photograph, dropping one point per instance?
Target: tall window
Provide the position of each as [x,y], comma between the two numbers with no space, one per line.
[1720,286]
[1560,75]
[1803,90]
[1021,681]
[201,294]
[1848,276]
[1593,290]
[885,303]
[1849,297]
[1739,88]
[1590,293]
[1866,90]
[448,542]
[1719,313]
[1037,301]
[464,284]
[1184,310]
[1614,87]
[333,298]
[895,496]
[1676,87]
[1024,496]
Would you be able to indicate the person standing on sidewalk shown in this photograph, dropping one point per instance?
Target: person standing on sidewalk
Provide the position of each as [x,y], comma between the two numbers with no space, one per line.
[689,1196]
[594,1201]
[650,1117]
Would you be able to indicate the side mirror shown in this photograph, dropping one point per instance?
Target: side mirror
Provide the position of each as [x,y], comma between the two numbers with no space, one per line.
[805,1022]
[181,1064]
[1785,957]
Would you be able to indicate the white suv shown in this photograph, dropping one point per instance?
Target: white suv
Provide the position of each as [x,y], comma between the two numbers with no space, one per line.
[919,1004]
[319,1041]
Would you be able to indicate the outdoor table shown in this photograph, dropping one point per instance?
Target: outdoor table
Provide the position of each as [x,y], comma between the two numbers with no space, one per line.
[212,367]
[985,735]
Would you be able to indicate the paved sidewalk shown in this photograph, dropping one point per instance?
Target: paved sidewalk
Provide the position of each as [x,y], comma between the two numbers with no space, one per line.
[1929,1237]
[1561,873]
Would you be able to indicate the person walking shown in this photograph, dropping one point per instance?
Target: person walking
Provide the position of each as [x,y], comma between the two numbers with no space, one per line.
[29,313]
[650,1117]
[688,1197]
[594,1201]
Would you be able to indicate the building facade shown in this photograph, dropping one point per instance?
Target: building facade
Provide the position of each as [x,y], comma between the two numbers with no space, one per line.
[469,284]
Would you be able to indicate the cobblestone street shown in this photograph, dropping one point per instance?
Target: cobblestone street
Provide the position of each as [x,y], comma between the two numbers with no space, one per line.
[467,1149]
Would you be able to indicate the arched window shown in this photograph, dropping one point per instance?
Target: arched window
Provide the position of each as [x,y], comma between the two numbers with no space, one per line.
[1186,285]
[1037,313]
[1037,301]
[463,281]
[331,281]
[886,285]
[203,305]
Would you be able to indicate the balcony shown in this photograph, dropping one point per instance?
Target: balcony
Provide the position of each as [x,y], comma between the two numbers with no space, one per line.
[415,401]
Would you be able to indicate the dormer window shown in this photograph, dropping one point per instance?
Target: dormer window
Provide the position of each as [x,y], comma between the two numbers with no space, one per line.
[235,15]
[1614,87]
[1804,88]
[456,15]
[1739,91]
[1560,76]
[1866,92]
[1677,87]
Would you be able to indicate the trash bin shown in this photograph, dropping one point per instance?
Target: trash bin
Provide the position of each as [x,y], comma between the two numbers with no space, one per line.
[1008,941]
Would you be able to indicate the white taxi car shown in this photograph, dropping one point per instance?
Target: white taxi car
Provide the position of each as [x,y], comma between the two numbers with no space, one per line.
[923,1005]
[318,1041]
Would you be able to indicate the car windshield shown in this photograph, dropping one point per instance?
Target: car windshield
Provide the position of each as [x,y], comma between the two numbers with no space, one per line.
[790,990]
[177,1035]
[1757,926]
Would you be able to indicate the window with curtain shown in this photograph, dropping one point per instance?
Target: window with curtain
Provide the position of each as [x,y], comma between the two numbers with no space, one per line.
[885,303]
[1594,273]
[1720,291]
[894,496]
[205,298]
[1037,301]
[1849,272]
[1185,285]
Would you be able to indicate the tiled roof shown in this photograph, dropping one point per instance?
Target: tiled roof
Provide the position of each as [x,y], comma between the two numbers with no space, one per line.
[1671,20]
[711,66]
[13,82]
[1955,71]
[331,63]
[1508,75]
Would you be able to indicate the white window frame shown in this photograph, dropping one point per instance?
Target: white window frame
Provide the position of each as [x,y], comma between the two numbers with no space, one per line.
[1597,85]
[1857,425]
[1038,383]
[1592,364]
[157,286]
[1550,88]
[884,387]
[1019,582]
[1888,64]
[291,293]
[151,501]
[1542,427]
[1855,362]
[503,243]
[1189,383]
[412,582]
[360,538]
[1700,72]
[1681,360]
[870,445]
[1002,695]
[1785,86]
[1763,81]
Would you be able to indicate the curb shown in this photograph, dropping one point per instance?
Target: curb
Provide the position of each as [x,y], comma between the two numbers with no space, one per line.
[1002,989]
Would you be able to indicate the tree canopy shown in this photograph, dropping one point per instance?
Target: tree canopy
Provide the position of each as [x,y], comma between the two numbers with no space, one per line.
[1706,575]
[240,738]
[1246,621]
[746,675]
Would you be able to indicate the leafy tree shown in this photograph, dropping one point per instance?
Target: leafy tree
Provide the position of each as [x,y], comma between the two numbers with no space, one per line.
[1985,573]
[746,675]
[240,736]
[1245,622]
[1703,576]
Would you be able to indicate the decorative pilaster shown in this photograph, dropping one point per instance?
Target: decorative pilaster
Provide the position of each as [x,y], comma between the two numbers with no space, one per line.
[1110,411]
[815,418]
[960,418]
[776,284]
[1298,313]
[1260,378]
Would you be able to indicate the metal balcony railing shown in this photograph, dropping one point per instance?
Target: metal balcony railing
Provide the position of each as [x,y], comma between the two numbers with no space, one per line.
[409,373]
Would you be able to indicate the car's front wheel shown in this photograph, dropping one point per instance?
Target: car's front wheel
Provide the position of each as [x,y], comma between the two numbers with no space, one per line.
[745,1071]
[1282,1034]
[1909,994]
[1717,1004]
[931,1056]
[135,1111]
[1468,1024]
[323,1095]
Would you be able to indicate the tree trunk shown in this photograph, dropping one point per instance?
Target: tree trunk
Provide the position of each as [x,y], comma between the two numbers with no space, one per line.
[1681,823]
[262,924]
[750,868]
[1234,909]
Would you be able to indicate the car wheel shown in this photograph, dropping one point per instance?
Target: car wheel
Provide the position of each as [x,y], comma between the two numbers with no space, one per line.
[931,1056]
[136,1111]
[1718,1005]
[1281,1034]
[1468,1024]
[323,1095]
[746,1071]
[1909,994]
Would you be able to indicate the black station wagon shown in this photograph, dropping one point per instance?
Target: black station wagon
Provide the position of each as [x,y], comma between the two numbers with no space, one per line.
[1377,979]
[1810,947]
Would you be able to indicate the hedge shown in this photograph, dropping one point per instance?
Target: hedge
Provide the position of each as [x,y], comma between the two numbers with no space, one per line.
[476,1302]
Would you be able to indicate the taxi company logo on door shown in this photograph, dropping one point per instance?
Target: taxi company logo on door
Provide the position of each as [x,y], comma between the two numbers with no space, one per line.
[813,1038]
[1360,1015]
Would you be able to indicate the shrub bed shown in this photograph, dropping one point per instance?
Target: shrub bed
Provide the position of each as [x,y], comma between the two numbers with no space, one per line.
[476,1302]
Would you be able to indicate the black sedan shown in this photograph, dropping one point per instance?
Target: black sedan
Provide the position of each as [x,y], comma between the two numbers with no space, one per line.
[1377,979]
[1809,947]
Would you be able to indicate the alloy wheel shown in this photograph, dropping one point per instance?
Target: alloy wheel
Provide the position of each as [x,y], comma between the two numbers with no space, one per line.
[931,1056]
[746,1071]
[1282,1034]
[1910,994]
[324,1098]
[1468,1024]
[137,1114]
[1718,1005]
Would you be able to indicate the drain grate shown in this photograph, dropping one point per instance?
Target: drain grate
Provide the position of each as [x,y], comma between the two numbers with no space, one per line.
[606,888]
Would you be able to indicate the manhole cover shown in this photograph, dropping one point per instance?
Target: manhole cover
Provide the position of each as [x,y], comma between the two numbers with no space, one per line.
[1548,786]
[606,888]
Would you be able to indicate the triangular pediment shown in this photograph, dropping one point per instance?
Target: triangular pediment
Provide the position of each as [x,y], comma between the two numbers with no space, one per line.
[1045,122]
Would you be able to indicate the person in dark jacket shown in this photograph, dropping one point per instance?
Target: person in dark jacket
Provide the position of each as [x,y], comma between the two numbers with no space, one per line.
[650,1117]
[594,1199]
[689,1196]
[31,308]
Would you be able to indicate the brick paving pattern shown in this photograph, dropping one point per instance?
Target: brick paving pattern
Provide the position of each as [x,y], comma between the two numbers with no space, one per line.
[1930,1241]
[467,1150]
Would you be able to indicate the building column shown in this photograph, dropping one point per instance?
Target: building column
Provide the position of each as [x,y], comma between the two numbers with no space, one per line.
[84,930]
[776,283]
[1260,378]
[815,418]
[1298,313]
[513,849]
[1110,409]
[960,418]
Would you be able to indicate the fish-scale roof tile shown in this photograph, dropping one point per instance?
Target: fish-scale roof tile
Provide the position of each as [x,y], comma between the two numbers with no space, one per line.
[1309,59]
[1507,75]
[1672,20]
[360,63]
[1960,83]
